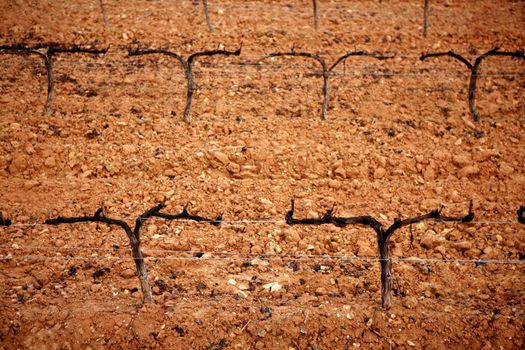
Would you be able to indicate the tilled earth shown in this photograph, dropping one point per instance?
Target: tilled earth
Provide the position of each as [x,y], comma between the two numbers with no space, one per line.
[398,141]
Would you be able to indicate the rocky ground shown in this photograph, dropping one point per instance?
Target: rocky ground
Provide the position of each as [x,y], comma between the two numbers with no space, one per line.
[398,141]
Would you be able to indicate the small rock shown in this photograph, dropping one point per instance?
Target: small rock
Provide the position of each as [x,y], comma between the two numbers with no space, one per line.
[29,184]
[397,250]
[266,201]
[461,160]
[50,162]
[243,294]
[233,168]
[312,214]
[364,249]
[232,282]
[471,231]
[221,157]
[129,149]
[484,155]
[473,253]
[41,277]
[379,173]
[430,240]
[429,173]
[321,291]
[275,248]
[484,297]
[86,174]
[340,172]
[95,287]
[452,234]
[337,164]
[505,169]
[441,249]
[128,273]
[18,163]
[243,286]
[293,236]
[420,226]
[259,262]
[410,302]
[273,286]
[463,246]
[334,184]
[469,170]
[170,173]
[411,343]
[207,256]
[152,229]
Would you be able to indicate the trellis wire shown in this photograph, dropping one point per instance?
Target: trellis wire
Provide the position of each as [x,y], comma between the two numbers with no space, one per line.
[300,258]
[311,73]
[250,256]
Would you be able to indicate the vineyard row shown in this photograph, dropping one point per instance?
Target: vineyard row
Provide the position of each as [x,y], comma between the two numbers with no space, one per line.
[383,234]
[47,52]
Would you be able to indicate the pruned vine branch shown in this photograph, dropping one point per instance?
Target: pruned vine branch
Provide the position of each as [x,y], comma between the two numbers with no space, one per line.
[383,235]
[46,52]
[474,70]
[326,69]
[360,53]
[140,52]
[187,66]
[185,215]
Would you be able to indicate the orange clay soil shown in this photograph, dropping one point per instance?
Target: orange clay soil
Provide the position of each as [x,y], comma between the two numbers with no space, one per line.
[393,145]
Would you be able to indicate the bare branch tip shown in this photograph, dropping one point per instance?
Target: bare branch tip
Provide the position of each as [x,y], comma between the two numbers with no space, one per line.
[99,213]
[521,218]
[4,222]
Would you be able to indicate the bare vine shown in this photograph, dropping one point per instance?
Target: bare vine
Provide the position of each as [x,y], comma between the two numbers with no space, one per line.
[207,15]
[133,234]
[103,12]
[187,66]
[473,68]
[46,52]
[133,237]
[316,14]
[425,18]
[383,235]
[326,70]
